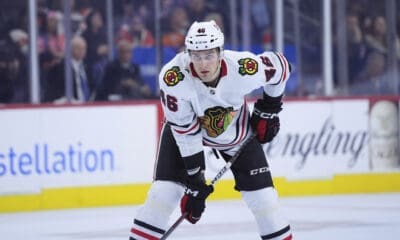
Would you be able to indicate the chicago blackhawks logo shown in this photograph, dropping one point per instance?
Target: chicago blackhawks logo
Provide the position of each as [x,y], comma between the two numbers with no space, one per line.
[248,66]
[216,120]
[173,75]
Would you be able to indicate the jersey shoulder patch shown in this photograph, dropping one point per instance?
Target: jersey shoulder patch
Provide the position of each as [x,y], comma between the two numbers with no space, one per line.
[173,76]
[247,66]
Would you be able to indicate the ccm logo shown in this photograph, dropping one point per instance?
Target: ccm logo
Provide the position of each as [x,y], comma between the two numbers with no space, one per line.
[259,170]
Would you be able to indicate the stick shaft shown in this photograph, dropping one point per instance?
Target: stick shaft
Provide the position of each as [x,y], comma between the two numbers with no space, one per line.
[232,160]
[175,225]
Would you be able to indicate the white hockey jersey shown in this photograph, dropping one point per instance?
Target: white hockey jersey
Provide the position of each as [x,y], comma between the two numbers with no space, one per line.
[217,117]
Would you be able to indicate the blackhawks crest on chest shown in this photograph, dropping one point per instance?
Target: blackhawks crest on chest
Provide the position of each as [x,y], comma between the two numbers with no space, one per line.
[216,120]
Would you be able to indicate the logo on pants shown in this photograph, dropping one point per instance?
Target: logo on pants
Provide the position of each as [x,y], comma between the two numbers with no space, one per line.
[259,170]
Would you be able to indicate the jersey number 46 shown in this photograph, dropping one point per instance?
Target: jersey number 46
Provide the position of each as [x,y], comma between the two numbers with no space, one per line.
[169,101]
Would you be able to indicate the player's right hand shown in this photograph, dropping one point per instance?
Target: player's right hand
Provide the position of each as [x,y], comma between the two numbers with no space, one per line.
[193,201]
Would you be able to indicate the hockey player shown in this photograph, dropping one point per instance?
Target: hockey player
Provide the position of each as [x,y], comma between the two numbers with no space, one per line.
[203,93]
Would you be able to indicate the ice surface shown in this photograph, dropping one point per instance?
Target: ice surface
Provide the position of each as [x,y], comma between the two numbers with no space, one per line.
[343,217]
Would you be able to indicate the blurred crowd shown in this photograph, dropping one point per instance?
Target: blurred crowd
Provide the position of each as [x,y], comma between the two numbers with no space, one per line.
[368,48]
[103,74]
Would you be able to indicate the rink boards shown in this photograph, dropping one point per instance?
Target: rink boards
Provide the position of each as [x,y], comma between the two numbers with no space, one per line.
[96,155]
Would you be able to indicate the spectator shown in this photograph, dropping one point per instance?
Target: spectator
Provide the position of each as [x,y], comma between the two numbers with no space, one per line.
[146,12]
[83,7]
[178,24]
[123,34]
[13,84]
[373,78]
[121,79]
[198,9]
[21,41]
[52,42]
[376,39]
[136,34]
[7,78]
[141,36]
[356,45]
[95,34]
[128,12]
[79,11]
[261,22]
[81,79]
[167,6]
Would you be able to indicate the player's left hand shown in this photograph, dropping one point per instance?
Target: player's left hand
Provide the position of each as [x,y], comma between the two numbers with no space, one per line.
[265,120]
[193,202]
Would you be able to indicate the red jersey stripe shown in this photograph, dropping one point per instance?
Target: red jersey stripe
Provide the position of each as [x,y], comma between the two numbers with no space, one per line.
[143,234]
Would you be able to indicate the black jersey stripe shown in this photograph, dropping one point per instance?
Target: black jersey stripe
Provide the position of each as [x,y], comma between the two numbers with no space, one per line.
[276,234]
[148,226]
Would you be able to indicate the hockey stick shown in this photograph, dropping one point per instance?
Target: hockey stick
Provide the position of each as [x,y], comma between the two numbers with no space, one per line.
[215,179]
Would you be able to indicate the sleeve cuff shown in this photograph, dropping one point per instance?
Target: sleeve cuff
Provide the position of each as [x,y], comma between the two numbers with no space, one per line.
[194,163]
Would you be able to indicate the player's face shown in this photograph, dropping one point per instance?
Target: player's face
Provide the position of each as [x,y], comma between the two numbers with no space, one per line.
[206,64]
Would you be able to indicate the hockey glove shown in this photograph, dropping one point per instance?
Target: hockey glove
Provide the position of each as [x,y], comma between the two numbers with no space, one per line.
[265,120]
[193,202]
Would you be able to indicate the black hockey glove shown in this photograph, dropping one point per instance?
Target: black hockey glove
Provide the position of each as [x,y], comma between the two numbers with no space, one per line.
[194,201]
[265,120]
